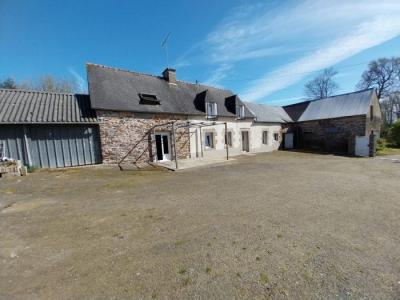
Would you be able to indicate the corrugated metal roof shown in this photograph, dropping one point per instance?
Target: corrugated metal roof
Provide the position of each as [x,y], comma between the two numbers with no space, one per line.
[21,106]
[351,104]
[267,113]
[115,89]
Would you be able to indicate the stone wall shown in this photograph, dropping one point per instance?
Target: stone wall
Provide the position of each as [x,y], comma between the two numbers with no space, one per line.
[331,135]
[120,131]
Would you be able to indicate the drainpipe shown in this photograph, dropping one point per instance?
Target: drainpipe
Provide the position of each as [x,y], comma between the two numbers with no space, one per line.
[27,148]
[226,141]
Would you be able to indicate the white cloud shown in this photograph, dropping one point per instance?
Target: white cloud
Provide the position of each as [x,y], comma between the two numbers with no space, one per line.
[80,81]
[369,34]
[331,30]
[220,73]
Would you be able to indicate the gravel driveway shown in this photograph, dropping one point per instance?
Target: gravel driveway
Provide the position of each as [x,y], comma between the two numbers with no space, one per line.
[278,225]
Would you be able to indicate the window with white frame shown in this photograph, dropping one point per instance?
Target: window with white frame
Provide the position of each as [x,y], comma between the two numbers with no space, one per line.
[240,111]
[209,140]
[276,137]
[265,137]
[211,109]
[229,138]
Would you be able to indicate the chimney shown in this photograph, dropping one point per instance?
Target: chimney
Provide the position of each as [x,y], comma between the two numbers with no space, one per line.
[170,75]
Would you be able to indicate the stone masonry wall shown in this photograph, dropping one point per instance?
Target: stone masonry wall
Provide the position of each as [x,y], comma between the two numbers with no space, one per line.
[120,131]
[332,135]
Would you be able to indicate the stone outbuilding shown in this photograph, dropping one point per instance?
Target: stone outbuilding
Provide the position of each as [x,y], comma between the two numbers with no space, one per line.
[347,124]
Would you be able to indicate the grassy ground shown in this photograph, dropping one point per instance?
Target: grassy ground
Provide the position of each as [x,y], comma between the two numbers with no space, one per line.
[280,225]
[389,151]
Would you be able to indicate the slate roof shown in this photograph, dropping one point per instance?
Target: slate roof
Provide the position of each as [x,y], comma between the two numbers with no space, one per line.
[296,110]
[118,90]
[28,107]
[268,113]
[345,105]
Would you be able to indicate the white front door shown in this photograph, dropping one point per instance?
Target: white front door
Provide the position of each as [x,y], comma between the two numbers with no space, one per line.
[362,146]
[163,146]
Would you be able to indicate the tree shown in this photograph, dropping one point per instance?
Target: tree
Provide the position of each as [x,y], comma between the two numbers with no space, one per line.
[8,83]
[394,133]
[49,83]
[383,75]
[390,107]
[322,86]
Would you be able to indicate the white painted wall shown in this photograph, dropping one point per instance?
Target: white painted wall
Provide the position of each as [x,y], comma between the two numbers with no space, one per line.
[236,127]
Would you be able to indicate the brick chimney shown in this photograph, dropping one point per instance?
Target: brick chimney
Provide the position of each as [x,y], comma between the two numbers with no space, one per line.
[170,75]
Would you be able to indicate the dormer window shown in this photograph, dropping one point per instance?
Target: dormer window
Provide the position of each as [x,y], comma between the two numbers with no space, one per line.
[211,109]
[240,111]
[149,99]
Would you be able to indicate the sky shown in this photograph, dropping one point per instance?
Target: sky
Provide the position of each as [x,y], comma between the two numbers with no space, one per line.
[264,51]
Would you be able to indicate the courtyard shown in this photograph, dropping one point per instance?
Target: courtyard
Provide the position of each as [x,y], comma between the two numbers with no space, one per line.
[272,225]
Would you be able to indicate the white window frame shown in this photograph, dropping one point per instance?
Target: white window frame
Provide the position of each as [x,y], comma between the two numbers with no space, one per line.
[265,140]
[211,134]
[277,135]
[229,141]
[211,109]
[240,111]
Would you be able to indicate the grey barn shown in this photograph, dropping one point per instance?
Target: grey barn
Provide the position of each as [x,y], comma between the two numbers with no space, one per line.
[48,130]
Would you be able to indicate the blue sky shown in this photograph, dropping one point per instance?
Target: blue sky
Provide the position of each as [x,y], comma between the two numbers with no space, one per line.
[263,50]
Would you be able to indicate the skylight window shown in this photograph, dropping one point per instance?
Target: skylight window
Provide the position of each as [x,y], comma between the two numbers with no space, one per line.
[149,99]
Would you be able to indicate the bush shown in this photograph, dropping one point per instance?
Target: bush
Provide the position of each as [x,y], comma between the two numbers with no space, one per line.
[394,133]
[380,144]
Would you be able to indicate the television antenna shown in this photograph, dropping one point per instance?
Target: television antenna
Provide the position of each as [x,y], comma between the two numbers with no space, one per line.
[164,45]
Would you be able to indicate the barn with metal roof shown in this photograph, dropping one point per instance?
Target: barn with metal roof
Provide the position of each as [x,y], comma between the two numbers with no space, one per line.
[347,123]
[48,130]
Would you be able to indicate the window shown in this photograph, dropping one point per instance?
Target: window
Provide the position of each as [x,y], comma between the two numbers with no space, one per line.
[371,112]
[240,111]
[276,136]
[229,138]
[211,109]
[149,99]
[265,138]
[209,140]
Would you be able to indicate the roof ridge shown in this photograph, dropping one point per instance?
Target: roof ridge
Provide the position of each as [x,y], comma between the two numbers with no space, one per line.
[41,92]
[123,70]
[207,86]
[344,94]
[156,76]
[338,95]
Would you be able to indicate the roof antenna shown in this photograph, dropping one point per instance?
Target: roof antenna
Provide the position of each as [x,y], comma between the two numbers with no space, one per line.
[164,45]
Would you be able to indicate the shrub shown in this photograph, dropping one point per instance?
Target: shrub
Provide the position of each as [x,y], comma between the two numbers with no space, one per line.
[380,144]
[394,133]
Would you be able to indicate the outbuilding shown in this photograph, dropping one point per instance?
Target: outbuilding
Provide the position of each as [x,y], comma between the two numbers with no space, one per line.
[48,130]
[347,123]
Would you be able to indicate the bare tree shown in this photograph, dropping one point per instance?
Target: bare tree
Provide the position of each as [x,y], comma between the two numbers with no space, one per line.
[49,83]
[322,86]
[383,75]
[390,107]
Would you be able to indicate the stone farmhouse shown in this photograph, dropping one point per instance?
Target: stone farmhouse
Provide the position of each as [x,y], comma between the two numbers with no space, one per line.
[140,119]
[139,110]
